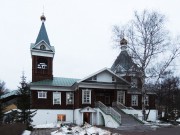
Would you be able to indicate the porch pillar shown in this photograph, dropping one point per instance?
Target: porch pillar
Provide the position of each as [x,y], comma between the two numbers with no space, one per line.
[92,119]
[82,118]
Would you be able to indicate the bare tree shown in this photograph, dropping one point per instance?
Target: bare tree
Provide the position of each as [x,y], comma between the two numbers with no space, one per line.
[148,41]
[3,89]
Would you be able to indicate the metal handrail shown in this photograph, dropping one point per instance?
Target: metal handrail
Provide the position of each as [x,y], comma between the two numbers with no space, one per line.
[109,111]
[121,106]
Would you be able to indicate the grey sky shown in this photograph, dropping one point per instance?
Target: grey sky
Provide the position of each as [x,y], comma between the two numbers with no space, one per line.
[80,31]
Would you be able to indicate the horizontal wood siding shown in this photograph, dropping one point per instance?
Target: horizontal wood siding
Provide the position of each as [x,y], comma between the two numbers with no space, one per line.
[48,102]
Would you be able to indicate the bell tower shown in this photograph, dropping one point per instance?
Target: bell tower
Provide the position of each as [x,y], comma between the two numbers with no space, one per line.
[42,54]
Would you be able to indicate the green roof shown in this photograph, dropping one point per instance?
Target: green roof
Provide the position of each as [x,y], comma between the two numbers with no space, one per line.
[42,35]
[11,93]
[57,81]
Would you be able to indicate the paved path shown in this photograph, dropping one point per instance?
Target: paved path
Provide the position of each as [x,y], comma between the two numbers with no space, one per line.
[43,131]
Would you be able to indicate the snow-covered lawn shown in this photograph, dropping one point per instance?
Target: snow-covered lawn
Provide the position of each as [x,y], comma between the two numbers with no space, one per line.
[26,132]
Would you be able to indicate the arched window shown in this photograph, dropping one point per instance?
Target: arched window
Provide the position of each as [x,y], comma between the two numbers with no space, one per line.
[42,47]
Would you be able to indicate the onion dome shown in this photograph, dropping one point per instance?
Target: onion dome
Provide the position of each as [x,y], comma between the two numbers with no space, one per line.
[43,18]
[123,41]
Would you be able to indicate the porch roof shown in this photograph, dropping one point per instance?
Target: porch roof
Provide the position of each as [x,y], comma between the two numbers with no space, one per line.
[87,109]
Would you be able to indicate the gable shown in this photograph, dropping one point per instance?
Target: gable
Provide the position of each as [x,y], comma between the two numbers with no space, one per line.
[40,44]
[104,75]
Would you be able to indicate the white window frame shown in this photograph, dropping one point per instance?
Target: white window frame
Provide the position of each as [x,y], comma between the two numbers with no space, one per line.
[134,100]
[55,94]
[146,100]
[84,99]
[69,95]
[121,97]
[134,82]
[42,94]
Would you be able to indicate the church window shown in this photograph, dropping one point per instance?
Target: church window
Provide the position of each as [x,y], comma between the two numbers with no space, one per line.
[61,117]
[86,96]
[146,100]
[133,82]
[42,63]
[94,78]
[107,99]
[69,98]
[56,98]
[134,100]
[121,97]
[42,94]
[42,47]
[113,78]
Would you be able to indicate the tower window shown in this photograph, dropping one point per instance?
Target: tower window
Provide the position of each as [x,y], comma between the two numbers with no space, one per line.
[42,63]
[42,47]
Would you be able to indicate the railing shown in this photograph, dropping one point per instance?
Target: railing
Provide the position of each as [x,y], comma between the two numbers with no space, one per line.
[120,106]
[109,111]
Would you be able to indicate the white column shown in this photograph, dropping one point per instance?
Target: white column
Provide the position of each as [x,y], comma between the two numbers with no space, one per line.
[92,118]
[97,119]
[82,118]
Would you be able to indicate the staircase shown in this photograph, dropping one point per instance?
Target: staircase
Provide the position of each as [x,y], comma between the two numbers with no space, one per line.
[126,119]
[109,111]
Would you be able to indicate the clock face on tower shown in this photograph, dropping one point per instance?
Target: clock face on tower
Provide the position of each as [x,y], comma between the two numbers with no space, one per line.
[42,63]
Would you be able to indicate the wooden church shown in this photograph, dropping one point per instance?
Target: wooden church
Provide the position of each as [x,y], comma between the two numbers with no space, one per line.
[106,97]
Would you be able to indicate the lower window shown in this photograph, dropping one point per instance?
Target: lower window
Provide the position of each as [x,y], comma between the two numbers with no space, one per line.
[134,100]
[61,117]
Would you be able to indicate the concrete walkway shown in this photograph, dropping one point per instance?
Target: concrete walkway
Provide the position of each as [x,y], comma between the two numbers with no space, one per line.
[43,131]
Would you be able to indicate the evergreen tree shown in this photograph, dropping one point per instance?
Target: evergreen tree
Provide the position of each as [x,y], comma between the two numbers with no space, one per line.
[3,90]
[24,114]
[1,110]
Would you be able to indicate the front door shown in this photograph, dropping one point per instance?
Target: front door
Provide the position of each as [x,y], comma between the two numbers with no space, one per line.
[100,97]
[121,97]
[86,116]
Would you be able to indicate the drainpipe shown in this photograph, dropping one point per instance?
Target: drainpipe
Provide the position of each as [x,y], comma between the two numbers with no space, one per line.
[73,107]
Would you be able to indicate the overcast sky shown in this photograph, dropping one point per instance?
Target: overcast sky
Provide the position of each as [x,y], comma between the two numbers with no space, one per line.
[80,31]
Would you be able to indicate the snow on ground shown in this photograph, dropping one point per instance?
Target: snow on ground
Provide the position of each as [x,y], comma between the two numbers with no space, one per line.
[26,132]
[50,125]
[80,131]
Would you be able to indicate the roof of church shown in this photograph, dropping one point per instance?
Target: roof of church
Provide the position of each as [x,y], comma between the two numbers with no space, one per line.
[57,81]
[42,35]
[123,60]
[11,93]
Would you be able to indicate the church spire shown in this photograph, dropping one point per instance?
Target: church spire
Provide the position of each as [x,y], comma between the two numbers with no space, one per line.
[42,36]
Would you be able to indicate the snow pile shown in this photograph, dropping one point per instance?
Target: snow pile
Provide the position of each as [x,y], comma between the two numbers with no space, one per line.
[86,129]
[26,132]
[50,125]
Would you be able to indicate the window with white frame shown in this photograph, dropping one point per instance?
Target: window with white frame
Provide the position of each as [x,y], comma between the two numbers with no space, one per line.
[134,100]
[121,96]
[86,96]
[69,98]
[146,100]
[56,98]
[42,94]
[133,82]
